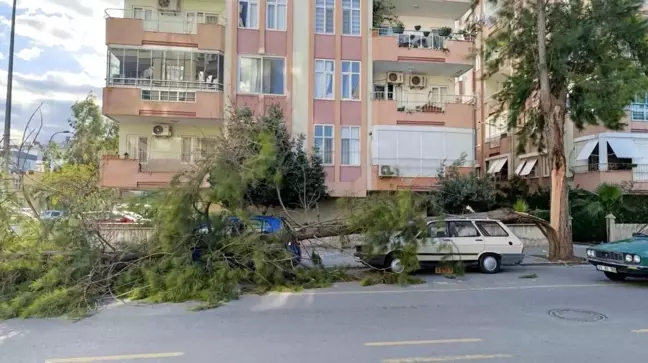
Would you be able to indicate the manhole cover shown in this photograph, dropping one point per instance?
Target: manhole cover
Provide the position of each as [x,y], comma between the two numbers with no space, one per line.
[585,316]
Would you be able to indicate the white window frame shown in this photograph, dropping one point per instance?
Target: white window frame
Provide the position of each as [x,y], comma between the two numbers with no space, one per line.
[495,127]
[155,95]
[350,7]
[249,19]
[261,58]
[321,153]
[326,74]
[639,107]
[386,94]
[136,148]
[354,156]
[350,73]
[279,6]
[325,5]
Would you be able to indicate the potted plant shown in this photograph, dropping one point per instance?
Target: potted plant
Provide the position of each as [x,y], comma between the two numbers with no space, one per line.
[445,31]
[426,33]
[417,27]
[398,28]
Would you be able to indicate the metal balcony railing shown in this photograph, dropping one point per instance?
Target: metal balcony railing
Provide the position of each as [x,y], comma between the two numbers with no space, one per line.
[424,39]
[639,171]
[152,161]
[422,102]
[413,167]
[168,21]
[162,85]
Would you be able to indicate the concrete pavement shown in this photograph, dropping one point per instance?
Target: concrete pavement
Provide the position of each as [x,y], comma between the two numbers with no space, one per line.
[474,318]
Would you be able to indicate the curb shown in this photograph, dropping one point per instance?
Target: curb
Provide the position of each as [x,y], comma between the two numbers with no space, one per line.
[550,263]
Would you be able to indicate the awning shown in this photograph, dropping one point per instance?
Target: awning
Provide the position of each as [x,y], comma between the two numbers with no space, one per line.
[496,166]
[519,167]
[623,148]
[586,151]
[528,167]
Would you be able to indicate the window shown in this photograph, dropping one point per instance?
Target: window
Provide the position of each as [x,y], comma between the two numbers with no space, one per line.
[324,78]
[324,143]
[261,75]
[351,17]
[249,14]
[496,125]
[350,80]
[186,149]
[206,148]
[639,109]
[350,145]
[491,229]
[462,229]
[546,166]
[167,96]
[384,92]
[276,14]
[137,147]
[324,15]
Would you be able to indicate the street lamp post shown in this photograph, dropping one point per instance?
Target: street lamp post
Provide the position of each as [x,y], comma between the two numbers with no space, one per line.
[49,142]
[7,121]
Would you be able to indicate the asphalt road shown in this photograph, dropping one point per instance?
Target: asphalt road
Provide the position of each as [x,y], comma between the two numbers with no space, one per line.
[476,318]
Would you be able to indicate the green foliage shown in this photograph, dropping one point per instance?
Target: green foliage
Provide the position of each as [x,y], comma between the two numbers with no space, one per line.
[597,59]
[93,134]
[276,168]
[383,14]
[521,206]
[456,190]
[606,199]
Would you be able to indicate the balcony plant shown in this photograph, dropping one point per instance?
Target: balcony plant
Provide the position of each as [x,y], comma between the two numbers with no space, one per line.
[417,27]
[445,31]
[398,27]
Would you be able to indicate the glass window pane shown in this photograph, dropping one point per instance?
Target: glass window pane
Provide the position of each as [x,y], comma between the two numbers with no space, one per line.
[158,60]
[355,67]
[346,66]
[212,74]
[345,86]
[130,63]
[318,131]
[271,16]
[328,131]
[144,64]
[330,66]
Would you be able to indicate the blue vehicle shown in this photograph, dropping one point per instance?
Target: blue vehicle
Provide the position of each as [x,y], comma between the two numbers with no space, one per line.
[262,225]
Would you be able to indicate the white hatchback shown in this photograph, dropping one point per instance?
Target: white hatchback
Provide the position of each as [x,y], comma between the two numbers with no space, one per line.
[487,243]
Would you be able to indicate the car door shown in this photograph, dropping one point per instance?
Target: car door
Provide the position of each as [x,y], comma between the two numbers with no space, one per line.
[464,240]
[498,239]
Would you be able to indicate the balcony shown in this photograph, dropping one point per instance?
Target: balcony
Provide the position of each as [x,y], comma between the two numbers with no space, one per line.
[634,177]
[442,110]
[126,172]
[149,26]
[439,9]
[423,52]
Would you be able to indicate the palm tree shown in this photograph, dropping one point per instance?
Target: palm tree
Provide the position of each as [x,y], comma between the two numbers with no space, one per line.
[606,199]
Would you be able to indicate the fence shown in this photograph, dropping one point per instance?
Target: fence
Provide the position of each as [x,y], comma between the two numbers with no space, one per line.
[421,102]
[620,231]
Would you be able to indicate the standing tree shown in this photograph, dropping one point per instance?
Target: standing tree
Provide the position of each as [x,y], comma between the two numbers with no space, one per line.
[576,59]
[93,134]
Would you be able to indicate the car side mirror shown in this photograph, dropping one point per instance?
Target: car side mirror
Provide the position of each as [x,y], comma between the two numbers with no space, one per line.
[441,234]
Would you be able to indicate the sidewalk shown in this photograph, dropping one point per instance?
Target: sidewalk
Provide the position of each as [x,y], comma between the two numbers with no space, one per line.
[336,258]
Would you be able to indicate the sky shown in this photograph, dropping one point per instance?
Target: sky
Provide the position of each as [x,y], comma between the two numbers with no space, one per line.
[60,56]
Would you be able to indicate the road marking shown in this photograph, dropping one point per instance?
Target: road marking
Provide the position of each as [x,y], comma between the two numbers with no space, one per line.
[411,291]
[422,342]
[115,357]
[640,331]
[450,358]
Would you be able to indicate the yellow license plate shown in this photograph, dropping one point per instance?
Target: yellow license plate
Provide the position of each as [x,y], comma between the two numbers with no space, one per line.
[443,270]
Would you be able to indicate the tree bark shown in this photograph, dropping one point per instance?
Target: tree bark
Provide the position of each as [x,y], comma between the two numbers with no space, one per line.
[553,111]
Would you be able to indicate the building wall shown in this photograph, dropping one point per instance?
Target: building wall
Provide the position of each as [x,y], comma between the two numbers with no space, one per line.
[163,147]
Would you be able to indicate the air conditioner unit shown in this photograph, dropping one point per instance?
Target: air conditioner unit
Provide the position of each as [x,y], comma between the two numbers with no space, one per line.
[170,5]
[387,171]
[161,130]
[416,81]
[394,77]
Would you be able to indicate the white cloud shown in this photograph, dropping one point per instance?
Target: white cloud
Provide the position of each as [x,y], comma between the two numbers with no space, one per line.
[2,56]
[29,53]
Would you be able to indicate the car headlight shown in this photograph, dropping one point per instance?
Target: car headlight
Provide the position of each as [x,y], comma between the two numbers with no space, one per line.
[590,253]
[628,258]
[636,259]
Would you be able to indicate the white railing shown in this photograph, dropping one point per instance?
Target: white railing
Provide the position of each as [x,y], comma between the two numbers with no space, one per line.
[422,102]
[154,161]
[167,21]
[167,85]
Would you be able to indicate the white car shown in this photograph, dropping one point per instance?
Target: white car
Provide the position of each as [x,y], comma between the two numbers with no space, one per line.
[486,243]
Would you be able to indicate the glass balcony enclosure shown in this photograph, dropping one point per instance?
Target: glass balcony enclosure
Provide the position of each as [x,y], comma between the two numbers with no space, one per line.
[170,69]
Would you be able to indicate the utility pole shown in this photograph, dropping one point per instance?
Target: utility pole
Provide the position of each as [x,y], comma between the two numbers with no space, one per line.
[7,121]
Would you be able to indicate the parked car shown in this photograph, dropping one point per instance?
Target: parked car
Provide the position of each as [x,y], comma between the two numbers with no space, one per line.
[115,216]
[486,243]
[621,259]
[51,214]
[262,225]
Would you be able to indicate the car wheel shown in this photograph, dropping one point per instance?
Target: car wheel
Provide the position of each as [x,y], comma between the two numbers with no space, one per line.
[394,263]
[489,264]
[615,277]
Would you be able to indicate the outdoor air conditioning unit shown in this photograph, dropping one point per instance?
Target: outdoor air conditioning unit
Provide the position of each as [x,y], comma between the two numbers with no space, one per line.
[394,77]
[170,5]
[161,130]
[387,171]
[416,81]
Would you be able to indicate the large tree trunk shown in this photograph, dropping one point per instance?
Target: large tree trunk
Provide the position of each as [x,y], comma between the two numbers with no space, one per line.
[553,111]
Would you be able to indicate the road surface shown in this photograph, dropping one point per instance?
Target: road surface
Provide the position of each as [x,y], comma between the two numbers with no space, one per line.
[476,318]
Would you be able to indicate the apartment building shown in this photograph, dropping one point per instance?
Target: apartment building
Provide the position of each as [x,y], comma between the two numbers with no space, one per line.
[385,107]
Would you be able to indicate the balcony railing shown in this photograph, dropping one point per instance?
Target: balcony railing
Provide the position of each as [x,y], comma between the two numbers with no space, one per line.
[425,39]
[639,171]
[416,103]
[414,167]
[167,21]
[164,162]
[165,85]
